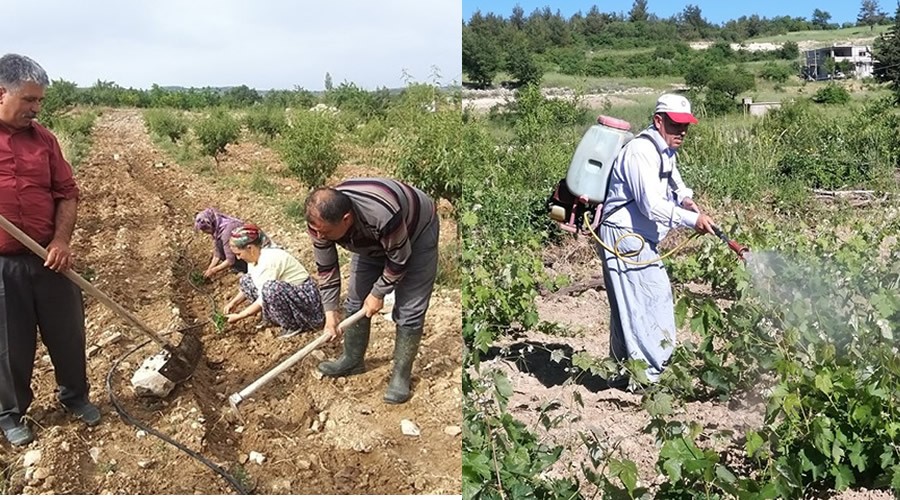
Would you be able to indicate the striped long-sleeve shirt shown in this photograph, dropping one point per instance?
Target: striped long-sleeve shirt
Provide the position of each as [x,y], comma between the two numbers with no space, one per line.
[388,217]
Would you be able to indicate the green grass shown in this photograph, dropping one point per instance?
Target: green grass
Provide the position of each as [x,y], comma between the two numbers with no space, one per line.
[591,84]
[260,183]
[620,52]
[296,211]
[448,266]
[824,35]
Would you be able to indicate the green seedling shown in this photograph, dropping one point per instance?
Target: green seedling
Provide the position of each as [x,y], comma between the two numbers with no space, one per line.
[197,278]
[219,321]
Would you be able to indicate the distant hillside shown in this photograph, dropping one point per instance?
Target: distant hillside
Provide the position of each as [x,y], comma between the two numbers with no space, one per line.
[858,35]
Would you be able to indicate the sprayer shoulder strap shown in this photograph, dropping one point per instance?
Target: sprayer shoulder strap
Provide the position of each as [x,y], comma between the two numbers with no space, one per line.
[662,175]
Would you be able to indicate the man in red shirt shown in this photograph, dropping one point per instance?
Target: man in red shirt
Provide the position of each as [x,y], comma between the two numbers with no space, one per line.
[38,194]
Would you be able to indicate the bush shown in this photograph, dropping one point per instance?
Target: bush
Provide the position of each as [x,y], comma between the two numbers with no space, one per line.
[309,147]
[433,158]
[59,97]
[74,134]
[832,94]
[776,72]
[266,121]
[166,123]
[216,132]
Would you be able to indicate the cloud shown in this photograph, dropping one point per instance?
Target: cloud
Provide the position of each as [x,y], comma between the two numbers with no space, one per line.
[263,44]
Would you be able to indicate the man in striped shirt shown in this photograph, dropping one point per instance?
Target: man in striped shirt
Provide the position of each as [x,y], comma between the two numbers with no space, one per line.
[391,230]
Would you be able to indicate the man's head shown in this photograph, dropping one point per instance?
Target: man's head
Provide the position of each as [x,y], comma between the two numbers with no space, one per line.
[672,117]
[329,213]
[22,84]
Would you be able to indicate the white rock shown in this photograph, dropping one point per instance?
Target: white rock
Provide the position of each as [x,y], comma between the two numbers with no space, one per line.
[147,381]
[95,454]
[31,457]
[239,429]
[116,157]
[65,446]
[145,464]
[409,428]
[452,430]
[140,434]
[259,458]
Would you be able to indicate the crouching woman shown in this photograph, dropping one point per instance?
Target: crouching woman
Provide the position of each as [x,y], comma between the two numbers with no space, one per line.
[276,284]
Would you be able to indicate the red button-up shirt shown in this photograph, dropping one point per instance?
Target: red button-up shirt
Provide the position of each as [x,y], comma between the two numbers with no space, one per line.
[33,176]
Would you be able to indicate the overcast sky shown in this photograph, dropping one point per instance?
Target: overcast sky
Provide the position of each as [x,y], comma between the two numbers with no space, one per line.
[260,43]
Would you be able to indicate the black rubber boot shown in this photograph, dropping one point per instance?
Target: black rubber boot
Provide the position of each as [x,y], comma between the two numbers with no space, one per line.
[356,341]
[406,345]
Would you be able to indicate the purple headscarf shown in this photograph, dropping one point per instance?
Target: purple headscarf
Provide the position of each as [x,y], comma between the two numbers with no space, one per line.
[219,226]
[211,220]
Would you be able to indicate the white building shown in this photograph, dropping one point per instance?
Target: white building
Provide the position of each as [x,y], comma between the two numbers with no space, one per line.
[860,56]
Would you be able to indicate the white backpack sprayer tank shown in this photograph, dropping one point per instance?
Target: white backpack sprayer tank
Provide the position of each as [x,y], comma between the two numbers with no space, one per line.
[588,175]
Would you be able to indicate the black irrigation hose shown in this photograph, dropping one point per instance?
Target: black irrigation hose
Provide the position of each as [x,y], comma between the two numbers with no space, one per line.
[131,420]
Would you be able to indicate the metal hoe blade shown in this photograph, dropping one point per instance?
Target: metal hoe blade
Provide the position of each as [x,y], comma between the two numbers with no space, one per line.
[235,399]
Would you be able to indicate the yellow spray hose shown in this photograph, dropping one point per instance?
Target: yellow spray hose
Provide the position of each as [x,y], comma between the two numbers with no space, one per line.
[625,256]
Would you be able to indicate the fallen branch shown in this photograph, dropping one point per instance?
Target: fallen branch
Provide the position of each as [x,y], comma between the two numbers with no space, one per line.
[576,288]
[843,194]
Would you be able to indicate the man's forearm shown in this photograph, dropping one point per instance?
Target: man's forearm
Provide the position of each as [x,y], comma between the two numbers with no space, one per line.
[65,219]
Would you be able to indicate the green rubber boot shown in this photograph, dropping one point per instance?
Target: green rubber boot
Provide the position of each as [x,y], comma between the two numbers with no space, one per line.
[406,345]
[356,341]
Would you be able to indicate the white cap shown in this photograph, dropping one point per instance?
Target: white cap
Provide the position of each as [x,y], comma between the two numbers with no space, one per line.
[676,107]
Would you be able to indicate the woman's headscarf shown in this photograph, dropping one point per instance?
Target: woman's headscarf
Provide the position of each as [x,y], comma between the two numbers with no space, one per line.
[209,220]
[249,234]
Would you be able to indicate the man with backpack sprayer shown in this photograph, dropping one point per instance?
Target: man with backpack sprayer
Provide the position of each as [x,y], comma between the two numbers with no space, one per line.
[646,197]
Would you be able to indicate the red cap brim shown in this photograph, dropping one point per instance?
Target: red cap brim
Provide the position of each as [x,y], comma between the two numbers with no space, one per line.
[681,117]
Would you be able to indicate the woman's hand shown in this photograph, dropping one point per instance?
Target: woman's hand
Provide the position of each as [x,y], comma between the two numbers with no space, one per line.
[234,318]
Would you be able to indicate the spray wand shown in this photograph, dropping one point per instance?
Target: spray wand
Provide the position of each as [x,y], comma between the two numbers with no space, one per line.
[736,247]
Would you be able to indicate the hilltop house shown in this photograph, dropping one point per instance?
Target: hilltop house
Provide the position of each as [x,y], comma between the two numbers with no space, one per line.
[859,56]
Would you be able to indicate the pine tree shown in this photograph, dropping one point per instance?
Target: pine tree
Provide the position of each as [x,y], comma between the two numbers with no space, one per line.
[886,52]
[638,11]
[870,14]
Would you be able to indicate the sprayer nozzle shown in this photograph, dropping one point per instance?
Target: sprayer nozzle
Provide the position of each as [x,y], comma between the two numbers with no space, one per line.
[737,248]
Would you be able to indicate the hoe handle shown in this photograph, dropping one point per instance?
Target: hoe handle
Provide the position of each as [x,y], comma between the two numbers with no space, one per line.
[291,361]
[82,283]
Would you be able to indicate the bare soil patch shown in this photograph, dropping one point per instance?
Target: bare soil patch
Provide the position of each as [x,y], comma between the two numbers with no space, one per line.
[134,238]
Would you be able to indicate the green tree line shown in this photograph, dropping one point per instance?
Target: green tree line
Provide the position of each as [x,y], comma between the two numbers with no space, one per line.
[526,45]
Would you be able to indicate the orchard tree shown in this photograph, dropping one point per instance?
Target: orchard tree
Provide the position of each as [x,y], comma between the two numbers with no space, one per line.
[240,97]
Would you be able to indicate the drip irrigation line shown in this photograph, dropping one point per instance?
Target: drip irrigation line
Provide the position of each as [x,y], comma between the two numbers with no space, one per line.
[129,419]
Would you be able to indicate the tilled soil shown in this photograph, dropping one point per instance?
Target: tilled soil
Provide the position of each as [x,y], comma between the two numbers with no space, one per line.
[300,433]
